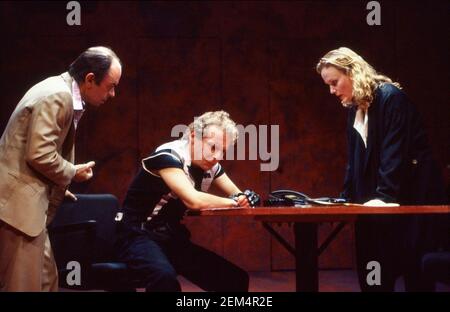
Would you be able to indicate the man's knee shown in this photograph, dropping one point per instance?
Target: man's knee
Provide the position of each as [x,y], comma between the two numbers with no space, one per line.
[162,279]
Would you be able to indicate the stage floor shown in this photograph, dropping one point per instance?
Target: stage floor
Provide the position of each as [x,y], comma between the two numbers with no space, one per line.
[284,281]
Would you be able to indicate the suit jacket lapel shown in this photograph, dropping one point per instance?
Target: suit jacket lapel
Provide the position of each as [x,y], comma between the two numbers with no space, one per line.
[69,141]
[371,135]
[70,138]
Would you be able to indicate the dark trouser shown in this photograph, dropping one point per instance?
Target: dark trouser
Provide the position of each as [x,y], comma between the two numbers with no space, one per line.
[156,264]
[386,239]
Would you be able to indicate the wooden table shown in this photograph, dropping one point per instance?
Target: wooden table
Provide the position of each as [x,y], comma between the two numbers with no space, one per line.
[306,220]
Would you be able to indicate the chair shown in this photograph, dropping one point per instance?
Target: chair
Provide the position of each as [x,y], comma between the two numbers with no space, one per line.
[84,231]
[436,265]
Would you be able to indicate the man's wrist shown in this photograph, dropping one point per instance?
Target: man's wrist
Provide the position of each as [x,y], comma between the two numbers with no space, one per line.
[235,198]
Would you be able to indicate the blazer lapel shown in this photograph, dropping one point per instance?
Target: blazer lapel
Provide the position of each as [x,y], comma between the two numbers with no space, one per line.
[371,135]
[69,141]
[70,137]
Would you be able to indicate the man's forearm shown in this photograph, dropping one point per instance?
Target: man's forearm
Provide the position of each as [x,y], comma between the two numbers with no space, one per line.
[204,200]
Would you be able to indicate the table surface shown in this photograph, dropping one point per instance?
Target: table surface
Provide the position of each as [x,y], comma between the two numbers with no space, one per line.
[349,210]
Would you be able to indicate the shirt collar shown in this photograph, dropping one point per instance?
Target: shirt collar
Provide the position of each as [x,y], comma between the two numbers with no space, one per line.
[78,103]
[361,123]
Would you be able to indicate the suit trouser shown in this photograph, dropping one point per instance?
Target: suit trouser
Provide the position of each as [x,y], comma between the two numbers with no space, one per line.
[26,263]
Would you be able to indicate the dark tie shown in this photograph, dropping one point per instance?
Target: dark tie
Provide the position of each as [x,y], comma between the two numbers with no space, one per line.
[77,116]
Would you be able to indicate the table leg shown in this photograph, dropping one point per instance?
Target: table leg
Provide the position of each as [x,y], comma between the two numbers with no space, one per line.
[306,257]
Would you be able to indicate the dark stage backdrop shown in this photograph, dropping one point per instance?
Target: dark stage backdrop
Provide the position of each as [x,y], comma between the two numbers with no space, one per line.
[253,59]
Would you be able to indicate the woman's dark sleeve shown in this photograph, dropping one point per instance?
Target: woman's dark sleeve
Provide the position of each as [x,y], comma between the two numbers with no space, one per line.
[347,179]
[393,152]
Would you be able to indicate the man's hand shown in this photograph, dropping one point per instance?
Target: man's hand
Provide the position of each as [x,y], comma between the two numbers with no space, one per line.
[242,201]
[84,172]
[70,195]
[247,199]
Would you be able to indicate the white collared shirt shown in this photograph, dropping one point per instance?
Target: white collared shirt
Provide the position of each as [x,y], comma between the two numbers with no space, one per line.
[361,123]
[78,104]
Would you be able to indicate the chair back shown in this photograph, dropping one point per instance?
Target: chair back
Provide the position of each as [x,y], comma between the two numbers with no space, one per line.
[73,245]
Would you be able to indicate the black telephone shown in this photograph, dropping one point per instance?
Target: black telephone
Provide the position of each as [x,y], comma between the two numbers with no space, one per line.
[294,198]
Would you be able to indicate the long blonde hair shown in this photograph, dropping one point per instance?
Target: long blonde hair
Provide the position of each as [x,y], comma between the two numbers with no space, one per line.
[364,77]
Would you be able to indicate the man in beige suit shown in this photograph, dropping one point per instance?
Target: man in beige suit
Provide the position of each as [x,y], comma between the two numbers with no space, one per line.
[37,165]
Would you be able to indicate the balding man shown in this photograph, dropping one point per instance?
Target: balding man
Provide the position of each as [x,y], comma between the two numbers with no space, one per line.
[37,165]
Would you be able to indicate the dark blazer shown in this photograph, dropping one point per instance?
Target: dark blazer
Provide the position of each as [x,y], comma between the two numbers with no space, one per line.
[397,165]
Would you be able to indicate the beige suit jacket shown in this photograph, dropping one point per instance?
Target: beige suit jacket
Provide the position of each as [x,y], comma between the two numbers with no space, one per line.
[37,155]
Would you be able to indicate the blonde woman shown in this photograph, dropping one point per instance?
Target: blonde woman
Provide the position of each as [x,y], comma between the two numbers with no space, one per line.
[389,162]
[175,177]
